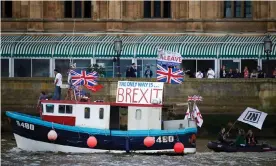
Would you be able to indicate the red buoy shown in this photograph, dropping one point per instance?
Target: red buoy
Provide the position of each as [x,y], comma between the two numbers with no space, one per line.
[52,135]
[92,142]
[149,141]
[178,147]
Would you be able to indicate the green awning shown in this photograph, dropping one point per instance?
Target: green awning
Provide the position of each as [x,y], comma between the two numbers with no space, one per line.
[273,53]
[200,47]
[244,47]
[35,46]
[149,45]
[7,44]
[76,46]
[105,49]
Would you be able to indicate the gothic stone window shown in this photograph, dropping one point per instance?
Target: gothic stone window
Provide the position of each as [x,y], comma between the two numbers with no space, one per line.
[157,9]
[6,9]
[77,9]
[237,9]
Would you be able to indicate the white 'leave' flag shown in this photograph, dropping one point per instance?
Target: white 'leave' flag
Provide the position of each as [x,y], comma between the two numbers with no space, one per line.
[197,116]
[188,115]
[253,117]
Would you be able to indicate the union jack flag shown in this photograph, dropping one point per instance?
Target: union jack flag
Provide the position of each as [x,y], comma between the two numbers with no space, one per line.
[82,77]
[169,75]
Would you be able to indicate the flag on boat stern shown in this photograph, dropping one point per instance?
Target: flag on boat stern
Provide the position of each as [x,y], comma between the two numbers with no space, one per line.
[169,75]
[253,117]
[197,115]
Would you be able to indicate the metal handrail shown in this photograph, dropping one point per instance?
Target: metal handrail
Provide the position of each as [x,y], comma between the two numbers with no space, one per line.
[111,42]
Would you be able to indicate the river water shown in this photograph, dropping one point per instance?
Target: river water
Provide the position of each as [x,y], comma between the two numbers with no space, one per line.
[11,155]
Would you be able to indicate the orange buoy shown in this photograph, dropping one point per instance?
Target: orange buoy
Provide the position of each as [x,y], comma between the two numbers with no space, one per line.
[149,141]
[52,135]
[178,147]
[92,142]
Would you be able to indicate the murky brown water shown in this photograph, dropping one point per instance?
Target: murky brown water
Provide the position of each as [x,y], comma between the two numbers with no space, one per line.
[11,155]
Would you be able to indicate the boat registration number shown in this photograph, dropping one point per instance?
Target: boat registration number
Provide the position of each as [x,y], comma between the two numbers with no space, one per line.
[25,125]
[165,139]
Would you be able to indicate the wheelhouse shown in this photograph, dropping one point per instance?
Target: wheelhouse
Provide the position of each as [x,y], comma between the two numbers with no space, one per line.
[102,115]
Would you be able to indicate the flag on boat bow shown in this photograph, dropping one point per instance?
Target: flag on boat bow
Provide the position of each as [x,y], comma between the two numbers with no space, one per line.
[253,117]
[86,78]
[197,116]
[188,114]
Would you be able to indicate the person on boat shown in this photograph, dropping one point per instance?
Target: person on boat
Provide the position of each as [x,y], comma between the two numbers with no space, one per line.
[223,137]
[57,83]
[42,96]
[250,138]
[240,140]
[70,94]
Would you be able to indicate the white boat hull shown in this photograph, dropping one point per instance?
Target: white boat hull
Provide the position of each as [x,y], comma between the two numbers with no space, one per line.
[33,145]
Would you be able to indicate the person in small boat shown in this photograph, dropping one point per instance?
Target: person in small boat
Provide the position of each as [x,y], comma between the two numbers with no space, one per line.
[223,137]
[240,140]
[250,138]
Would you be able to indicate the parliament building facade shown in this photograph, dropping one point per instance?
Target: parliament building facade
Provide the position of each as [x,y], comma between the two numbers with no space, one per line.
[38,36]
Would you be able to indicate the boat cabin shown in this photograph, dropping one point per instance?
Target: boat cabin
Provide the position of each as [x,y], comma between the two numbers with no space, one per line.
[101,115]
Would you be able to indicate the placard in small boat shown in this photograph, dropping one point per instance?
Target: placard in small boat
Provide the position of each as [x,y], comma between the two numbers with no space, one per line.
[133,92]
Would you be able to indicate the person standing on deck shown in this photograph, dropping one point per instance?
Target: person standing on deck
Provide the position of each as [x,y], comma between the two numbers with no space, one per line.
[70,93]
[57,83]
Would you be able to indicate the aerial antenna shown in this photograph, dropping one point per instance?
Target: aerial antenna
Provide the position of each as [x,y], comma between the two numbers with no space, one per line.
[72,42]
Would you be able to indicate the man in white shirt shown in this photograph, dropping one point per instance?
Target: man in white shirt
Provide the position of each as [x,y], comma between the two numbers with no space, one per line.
[57,83]
[199,74]
[211,73]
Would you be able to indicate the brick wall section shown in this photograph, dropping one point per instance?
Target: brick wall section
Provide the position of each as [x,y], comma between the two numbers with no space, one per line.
[220,95]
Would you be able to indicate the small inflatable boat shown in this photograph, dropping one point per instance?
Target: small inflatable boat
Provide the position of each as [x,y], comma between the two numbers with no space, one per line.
[222,147]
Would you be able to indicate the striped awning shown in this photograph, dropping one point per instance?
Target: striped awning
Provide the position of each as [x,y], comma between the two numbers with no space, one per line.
[244,47]
[149,45]
[7,44]
[76,46]
[273,52]
[35,46]
[200,47]
[105,49]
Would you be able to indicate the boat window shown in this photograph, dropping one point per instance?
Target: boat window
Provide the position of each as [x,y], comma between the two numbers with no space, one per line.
[68,109]
[50,108]
[101,113]
[138,114]
[61,109]
[86,112]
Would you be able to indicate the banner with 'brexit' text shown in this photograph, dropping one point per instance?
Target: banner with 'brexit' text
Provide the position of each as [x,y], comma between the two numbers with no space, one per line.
[133,92]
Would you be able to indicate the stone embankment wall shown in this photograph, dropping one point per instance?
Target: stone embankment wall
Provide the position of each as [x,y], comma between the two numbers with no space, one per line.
[219,95]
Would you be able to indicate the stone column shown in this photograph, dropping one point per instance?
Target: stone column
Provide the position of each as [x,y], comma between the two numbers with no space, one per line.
[194,13]
[115,12]
[35,12]
[271,25]
[95,13]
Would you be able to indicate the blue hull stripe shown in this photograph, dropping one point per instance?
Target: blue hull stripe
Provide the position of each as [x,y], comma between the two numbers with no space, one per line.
[93,131]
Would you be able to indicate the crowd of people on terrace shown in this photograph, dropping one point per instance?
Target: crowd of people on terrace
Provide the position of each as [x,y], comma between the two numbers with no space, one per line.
[236,73]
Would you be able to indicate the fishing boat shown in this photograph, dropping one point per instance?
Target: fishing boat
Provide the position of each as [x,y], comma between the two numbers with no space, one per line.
[133,125]
[252,117]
